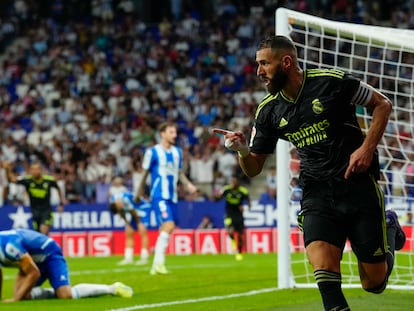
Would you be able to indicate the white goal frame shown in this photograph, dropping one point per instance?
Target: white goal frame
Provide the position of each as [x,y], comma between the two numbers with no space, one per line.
[388,37]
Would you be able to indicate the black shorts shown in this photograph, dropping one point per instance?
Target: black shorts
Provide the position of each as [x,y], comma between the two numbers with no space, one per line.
[43,216]
[234,221]
[353,209]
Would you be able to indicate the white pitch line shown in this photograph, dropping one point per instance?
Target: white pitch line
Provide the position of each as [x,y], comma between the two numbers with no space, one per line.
[181,302]
[130,268]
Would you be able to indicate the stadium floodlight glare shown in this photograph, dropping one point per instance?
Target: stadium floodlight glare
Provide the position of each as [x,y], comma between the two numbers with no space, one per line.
[384,58]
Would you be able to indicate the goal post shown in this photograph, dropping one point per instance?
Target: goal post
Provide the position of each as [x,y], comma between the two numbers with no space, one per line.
[384,58]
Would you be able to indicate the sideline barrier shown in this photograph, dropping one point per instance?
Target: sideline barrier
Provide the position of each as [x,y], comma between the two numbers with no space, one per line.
[92,230]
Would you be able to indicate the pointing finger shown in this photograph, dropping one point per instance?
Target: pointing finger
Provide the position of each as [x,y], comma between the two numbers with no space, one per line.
[220,131]
[348,171]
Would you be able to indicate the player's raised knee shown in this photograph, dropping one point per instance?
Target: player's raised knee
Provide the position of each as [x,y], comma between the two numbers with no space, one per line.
[375,289]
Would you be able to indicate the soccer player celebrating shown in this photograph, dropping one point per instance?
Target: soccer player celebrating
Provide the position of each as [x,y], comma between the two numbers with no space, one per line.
[315,110]
[235,195]
[38,186]
[38,258]
[164,162]
[136,217]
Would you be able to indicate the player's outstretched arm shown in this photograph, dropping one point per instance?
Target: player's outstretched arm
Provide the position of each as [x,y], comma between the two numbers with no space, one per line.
[251,163]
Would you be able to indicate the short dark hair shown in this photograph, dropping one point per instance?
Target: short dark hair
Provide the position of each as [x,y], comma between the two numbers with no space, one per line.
[37,163]
[277,43]
[113,208]
[163,126]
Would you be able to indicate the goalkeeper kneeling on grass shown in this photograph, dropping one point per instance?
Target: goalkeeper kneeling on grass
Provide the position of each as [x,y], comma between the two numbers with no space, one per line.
[38,258]
[314,109]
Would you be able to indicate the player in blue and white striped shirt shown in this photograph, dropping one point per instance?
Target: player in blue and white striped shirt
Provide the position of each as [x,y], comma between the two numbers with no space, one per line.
[164,163]
[137,217]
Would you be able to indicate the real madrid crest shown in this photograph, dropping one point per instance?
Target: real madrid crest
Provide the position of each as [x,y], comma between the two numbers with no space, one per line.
[317,106]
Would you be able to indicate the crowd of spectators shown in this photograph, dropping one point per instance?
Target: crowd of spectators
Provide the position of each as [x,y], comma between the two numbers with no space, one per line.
[84,93]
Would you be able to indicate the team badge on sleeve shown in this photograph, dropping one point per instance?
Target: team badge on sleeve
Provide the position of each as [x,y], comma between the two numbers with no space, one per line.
[13,252]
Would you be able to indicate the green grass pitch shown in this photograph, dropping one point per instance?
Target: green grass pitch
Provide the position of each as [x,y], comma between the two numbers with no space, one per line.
[199,282]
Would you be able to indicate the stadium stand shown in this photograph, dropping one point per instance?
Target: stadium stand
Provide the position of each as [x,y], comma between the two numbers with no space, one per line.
[83,84]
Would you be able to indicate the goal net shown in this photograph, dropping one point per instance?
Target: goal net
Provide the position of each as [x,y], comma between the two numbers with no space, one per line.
[384,58]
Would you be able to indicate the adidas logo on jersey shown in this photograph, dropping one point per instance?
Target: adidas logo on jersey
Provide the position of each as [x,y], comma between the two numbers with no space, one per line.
[378,252]
[283,122]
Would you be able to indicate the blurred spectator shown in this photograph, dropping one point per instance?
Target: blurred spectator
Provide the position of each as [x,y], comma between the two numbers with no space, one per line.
[102,189]
[271,181]
[204,177]
[137,173]
[270,192]
[219,182]
[409,216]
[398,176]
[268,196]
[197,196]
[296,190]
[89,173]
[294,165]
[410,176]
[74,188]
[61,182]
[226,163]
[117,186]
[206,223]
[3,186]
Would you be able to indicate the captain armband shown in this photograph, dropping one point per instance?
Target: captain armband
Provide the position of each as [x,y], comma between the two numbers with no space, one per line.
[363,95]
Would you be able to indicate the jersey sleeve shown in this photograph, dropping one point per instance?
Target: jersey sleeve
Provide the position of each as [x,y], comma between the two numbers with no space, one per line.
[224,192]
[363,94]
[51,180]
[245,193]
[53,183]
[348,88]
[14,250]
[23,181]
[263,136]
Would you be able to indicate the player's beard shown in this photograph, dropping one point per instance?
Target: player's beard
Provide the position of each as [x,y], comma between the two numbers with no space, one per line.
[171,141]
[278,81]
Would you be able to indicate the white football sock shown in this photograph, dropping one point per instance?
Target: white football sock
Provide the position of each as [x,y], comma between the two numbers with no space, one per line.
[91,290]
[144,253]
[129,253]
[161,248]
